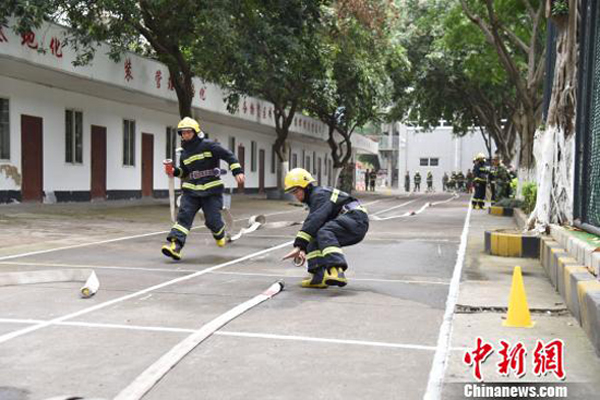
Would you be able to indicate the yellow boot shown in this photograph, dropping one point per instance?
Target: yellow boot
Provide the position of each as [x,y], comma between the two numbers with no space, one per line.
[335,277]
[315,280]
[172,250]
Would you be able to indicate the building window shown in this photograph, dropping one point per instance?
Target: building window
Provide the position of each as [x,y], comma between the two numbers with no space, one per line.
[304,159]
[307,163]
[423,162]
[314,166]
[73,137]
[4,130]
[232,144]
[128,142]
[434,162]
[273,159]
[253,156]
[171,142]
[294,160]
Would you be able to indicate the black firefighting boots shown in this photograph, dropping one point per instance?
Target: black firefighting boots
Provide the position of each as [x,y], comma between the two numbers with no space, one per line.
[335,277]
[315,280]
[172,250]
[321,277]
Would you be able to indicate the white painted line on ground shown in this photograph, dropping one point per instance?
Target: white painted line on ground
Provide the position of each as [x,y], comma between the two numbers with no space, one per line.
[226,333]
[172,270]
[118,239]
[423,282]
[323,340]
[155,372]
[6,337]
[52,265]
[412,213]
[392,208]
[440,359]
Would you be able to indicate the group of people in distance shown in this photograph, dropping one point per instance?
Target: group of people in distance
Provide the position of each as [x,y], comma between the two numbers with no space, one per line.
[493,172]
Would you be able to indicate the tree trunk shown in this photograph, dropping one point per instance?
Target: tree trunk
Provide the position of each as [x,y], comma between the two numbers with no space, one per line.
[555,202]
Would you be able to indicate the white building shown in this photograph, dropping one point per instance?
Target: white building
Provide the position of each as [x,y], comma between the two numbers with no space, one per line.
[408,148]
[102,131]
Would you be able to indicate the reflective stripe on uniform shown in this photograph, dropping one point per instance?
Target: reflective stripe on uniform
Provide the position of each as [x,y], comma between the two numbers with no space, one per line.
[314,254]
[332,249]
[234,166]
[207,186]
[181,228]
[304,235]
[334,195]
[220,231]
[197,157]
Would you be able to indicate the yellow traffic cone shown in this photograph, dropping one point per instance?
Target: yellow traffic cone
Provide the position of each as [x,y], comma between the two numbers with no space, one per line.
[518,311]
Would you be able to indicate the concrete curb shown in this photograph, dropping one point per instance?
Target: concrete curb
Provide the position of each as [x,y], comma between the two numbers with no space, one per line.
[501,211]
[573,280]
[499,243]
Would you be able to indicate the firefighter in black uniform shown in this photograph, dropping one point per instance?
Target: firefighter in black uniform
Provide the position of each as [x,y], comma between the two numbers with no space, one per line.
[480,172]
[203,189]
[335,220]
[417,180]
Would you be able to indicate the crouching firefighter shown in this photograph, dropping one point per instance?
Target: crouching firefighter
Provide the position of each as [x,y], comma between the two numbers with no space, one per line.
[202,189]
[335,220]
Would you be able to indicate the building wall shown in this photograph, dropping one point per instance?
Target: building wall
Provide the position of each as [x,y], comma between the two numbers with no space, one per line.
[27,98]
[453,153]
[44,84]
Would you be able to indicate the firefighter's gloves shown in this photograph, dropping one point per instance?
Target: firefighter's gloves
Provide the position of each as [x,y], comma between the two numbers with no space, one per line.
[169,168]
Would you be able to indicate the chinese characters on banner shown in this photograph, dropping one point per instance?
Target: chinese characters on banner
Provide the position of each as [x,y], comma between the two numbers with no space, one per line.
[158,78]
[546,358]
[28,39]
[128,71]
[56,47]
[3,38]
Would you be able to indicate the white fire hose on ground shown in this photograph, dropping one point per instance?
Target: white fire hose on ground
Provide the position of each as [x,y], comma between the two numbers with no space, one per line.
[90,287]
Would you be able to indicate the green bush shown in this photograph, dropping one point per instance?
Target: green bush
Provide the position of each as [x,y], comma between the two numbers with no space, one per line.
[510,203]
[529,196]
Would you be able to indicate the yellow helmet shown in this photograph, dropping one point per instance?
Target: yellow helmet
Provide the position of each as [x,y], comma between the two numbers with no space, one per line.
[479,156]
[188,123]
[298,177]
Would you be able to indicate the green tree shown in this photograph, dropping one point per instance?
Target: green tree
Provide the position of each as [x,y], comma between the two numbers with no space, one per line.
[516,29]
[353,87]
[554,141]
[276,56]
[184,35]
[454,75]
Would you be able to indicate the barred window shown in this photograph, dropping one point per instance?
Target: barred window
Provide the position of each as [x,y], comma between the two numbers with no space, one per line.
[273,159]
[128,142]
[423,162]
[434,162]
[4,130]
[73,136]
[232,144]
[171,142]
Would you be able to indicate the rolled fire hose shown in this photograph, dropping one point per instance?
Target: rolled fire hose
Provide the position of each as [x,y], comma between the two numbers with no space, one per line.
[90,287]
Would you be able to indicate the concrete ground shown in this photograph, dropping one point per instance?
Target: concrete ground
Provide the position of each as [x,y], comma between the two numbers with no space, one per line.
[381,337]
